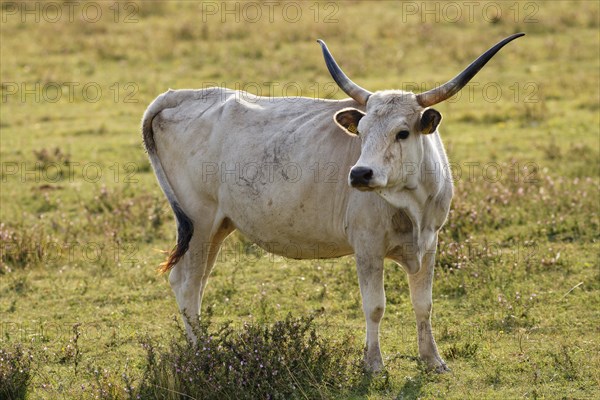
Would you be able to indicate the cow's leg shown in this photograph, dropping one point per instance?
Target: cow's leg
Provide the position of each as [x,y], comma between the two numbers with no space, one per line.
[189,276]
[186,279]
[420,285]
[222,229]
[370,278]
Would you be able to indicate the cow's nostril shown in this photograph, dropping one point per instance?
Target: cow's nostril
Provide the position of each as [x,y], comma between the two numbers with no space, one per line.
[360,176]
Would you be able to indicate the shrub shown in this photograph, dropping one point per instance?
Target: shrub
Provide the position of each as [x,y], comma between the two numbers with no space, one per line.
[21,246]
[285,360]
[15,373]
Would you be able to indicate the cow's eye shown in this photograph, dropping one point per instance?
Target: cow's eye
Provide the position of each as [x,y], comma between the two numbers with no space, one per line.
[402,135]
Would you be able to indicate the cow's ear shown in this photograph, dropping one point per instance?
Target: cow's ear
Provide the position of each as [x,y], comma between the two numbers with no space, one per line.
[430,119]
[348,119]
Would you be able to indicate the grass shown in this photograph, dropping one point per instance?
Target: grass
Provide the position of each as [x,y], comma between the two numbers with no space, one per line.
[83,223]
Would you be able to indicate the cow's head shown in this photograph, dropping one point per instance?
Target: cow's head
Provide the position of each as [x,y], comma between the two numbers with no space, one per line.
[391,132]
[393,127]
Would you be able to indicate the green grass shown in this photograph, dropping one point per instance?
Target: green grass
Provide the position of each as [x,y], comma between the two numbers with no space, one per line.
[84,224]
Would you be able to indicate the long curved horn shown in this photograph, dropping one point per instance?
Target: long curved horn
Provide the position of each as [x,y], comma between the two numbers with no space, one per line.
[350,88]
[450,88]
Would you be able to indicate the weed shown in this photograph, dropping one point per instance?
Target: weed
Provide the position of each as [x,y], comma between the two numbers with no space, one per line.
[551,150]
[564,364]
[533,114]
[285,360]
[465,350]
[106,388]
[15,373]
[71,352]
[515,312]
[21,246]
[47,157]
[494,377]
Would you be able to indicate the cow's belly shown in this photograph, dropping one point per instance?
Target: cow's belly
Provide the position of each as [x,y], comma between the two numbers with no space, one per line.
[287,221]
[298,248]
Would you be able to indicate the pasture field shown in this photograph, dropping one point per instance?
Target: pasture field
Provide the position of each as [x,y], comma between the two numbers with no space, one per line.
[83,223]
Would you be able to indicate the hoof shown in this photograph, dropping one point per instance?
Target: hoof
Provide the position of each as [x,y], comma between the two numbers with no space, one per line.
[373,360]
[374,368]
[441,369]
[436,365]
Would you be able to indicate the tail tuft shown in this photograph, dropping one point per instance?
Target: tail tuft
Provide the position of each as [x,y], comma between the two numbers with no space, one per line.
[185,231]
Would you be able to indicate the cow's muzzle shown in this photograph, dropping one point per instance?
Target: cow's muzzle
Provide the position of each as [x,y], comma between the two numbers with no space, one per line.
[361,178]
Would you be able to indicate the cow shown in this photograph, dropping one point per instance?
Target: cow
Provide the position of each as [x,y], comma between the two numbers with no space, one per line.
[229,160]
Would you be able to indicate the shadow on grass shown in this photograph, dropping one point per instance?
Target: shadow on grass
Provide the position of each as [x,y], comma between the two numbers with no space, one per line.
[413,386]
[370,383]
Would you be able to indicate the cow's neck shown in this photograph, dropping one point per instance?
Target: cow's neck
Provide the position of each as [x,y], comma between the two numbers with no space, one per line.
[426,206]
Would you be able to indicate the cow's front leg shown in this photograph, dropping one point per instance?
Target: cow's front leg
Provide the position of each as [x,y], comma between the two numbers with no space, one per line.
[420,294]
[370,278]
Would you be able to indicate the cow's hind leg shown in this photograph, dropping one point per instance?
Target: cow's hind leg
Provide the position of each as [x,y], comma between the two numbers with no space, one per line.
[421,296]
[189,276]
[370,279]
[222,229]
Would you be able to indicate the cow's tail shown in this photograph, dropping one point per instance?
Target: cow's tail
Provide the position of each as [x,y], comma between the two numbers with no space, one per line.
[185,226]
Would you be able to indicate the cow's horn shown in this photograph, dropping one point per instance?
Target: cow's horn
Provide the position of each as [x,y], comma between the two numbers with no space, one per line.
[452,87]
[352,89]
